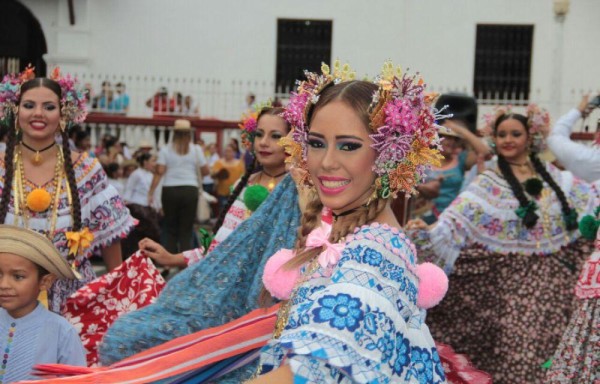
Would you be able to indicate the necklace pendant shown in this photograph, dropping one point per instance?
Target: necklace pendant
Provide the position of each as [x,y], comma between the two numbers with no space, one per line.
[271,185]
[37,158]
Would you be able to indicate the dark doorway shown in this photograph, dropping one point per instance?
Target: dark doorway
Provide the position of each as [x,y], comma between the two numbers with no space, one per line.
[301,44]
[503,62]
[22,40]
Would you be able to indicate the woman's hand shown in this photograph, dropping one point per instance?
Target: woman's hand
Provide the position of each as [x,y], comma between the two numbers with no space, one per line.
[159,254]
[416,224]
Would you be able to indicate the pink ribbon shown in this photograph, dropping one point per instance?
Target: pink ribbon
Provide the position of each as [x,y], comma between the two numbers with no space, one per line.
[319,237]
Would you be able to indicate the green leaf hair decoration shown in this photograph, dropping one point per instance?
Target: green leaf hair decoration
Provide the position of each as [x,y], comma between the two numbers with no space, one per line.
[384,191]
[205,238]
[522,211]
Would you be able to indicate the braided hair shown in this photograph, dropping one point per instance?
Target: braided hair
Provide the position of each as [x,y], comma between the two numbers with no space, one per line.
[566,209]
[249,171]
[13,141]
[530,218]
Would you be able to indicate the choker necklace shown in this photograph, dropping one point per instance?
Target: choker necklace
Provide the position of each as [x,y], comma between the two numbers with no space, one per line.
[346,213]
[517,164]
[37,158]
[271,183]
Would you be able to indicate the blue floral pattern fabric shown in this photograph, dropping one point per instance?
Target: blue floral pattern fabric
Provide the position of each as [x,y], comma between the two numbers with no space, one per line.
[361,324]
[220,288]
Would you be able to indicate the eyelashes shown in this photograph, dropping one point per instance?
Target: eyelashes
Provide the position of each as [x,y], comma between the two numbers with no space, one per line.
[350,146]
[47,107]
[344,146]
[275,136]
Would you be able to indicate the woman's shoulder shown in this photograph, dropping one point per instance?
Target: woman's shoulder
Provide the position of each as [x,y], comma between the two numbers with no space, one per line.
[385,239]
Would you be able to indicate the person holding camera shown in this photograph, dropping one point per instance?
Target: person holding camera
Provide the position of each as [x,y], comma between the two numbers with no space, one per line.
[582,160]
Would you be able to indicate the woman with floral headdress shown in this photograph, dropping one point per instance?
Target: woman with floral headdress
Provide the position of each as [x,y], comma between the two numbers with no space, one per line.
[46,188]
[353,293]
[222,279]
[262,131]
[511,244]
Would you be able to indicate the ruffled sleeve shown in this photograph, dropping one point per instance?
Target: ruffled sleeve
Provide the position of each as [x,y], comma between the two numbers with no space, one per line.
[442,244]
[102,209]
[363,326]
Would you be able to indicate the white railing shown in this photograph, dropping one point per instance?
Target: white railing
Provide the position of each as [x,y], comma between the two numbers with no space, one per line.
[215,98]
[225,99]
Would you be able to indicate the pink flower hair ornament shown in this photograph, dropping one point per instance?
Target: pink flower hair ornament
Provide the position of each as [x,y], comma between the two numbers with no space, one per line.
[249,124]
[537,119]
[72,103]
[401,119]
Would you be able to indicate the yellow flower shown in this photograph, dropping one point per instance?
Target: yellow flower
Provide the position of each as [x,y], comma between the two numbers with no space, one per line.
[293,149]
[38,200]
[78,241]
[423,155]
[386,85]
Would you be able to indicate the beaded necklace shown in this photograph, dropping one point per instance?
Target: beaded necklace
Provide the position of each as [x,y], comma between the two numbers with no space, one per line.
[283,314]
[21,204]
[6,354]
[284,310]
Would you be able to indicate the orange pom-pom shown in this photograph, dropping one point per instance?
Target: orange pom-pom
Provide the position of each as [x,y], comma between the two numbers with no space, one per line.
[38,200]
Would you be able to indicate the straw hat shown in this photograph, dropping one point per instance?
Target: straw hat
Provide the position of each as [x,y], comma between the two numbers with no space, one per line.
[145,144]
[182,125]
[35,248]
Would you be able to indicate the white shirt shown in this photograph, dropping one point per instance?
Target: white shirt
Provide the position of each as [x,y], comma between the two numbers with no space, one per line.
[182,170]
[211,161]
[581,159]
[138,186]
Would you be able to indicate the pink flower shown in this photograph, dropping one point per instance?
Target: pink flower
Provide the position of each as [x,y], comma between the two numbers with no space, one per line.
[294,112]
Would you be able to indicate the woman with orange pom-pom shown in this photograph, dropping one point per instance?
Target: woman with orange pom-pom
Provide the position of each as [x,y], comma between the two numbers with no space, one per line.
[47,188]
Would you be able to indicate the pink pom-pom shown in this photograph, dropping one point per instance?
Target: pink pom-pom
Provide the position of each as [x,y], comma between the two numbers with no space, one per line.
[279,281]
[433,285]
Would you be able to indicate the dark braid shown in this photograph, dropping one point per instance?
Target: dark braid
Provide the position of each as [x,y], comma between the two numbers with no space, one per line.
[531,217]
[8,170]
[234,195]
[76,209]
[566,209]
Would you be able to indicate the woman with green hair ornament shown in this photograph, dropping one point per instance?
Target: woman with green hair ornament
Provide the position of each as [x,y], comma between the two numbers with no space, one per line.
[261,131]
[511,247]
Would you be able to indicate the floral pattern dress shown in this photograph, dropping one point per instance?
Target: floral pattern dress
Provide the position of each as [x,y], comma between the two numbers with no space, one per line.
[577,358]
[510,288]
[102,211]
[358,322]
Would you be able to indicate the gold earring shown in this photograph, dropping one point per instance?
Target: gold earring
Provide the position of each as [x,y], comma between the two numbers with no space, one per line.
[63,124]
[16,114]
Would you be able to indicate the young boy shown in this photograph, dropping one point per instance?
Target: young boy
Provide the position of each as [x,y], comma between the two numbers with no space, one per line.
[29,333]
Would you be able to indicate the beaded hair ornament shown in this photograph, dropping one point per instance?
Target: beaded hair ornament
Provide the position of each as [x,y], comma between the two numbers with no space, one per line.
[402,122]
[72,103]
[249,125]
[537,119]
